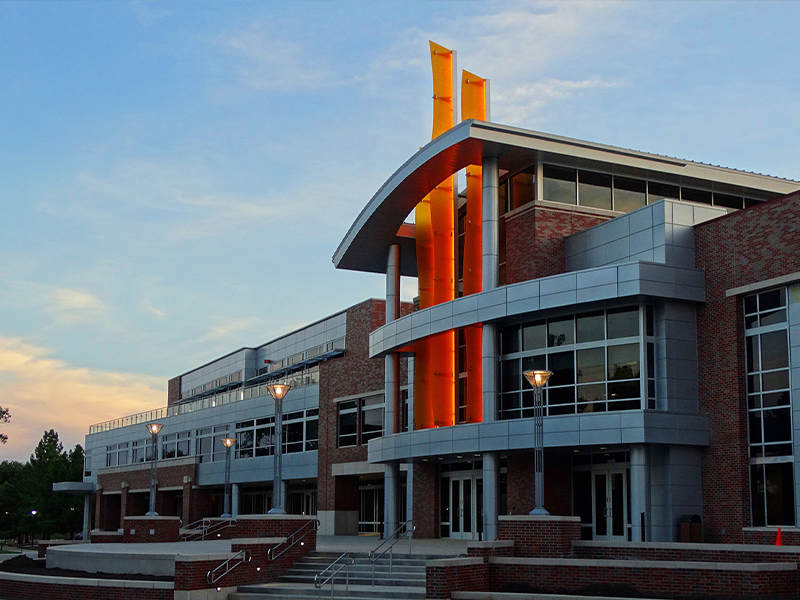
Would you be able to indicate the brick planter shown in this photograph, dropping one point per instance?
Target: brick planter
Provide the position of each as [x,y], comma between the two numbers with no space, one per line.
[549,536]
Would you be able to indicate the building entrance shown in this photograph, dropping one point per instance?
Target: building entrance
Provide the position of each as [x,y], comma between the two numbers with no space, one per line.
[601,498]
[462,505]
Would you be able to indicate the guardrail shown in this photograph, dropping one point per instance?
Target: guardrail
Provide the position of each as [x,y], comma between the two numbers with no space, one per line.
[345,561]
[407,528]
[214,575]
[205,527]
[294,538]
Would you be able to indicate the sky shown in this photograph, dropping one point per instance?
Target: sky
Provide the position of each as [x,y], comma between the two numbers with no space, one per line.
[175,176]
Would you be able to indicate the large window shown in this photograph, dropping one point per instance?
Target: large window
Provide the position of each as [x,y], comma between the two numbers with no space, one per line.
[256,437]
[596,360]
[769,409]
[360,420]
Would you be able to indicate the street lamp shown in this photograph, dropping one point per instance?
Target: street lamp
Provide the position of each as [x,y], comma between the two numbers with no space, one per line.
[538,379]
[278,391]
[228,443]
[153,428]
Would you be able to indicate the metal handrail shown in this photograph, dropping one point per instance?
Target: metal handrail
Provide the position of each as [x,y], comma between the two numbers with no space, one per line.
[314,524]
[394,538]
[242,556]
[347,562]
[205,529]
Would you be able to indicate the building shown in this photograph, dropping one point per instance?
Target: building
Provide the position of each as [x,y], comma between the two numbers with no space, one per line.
[663,294]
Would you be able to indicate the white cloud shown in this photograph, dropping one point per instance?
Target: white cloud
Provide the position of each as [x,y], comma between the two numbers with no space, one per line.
[74,305]
[42,392]
[146,306]
[231,329]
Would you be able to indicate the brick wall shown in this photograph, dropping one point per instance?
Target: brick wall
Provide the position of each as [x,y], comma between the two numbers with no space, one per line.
[557,483]
[718,553]
[354,373]
[690,582]
[191,573]
[426,500]
[14,586]
[265,526]
[458,574]
[790,536]
[137,530]
[535,240]
[744,247]
[541,536]
[173,390]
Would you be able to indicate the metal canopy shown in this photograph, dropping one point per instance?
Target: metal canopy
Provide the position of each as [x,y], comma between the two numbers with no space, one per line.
[381,223]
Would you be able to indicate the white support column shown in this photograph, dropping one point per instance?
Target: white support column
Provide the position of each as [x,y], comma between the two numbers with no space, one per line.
[235,499]
[87,499]
[489,362]
[491,495]
[392,408]
[640,494]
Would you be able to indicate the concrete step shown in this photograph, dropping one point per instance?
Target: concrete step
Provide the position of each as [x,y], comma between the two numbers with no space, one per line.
[298,591]
[366,579]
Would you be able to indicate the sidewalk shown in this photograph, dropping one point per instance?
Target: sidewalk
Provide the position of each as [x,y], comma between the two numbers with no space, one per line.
[365,543]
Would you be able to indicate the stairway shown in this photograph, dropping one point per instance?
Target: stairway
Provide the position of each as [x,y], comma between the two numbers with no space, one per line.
[406,581]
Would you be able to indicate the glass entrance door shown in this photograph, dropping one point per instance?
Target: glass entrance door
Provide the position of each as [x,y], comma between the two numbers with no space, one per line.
[610,506]
[463,505]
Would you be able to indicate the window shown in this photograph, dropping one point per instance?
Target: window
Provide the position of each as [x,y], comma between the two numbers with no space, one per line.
[629,194]
[558,184]
[360,420]
[768,383]
[208,445]
[594,189]
[175,444]
[256,437]
[595,359]
[117,454]
[522,189]
[348,423]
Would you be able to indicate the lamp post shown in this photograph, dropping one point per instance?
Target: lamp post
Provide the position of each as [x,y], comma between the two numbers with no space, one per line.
[153,428]
[228,443]
[538,379]
[278,391]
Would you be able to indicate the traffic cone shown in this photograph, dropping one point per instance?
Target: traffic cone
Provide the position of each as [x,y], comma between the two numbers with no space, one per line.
[779,540]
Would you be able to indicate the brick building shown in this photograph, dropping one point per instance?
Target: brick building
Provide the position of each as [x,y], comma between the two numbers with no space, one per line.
[663,294]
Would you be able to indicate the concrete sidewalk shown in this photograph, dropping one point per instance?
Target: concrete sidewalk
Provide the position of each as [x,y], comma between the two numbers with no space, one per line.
[365,543]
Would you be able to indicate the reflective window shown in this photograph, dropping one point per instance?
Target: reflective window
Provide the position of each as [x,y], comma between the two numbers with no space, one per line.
[558,184]
[594,189]
[629,194]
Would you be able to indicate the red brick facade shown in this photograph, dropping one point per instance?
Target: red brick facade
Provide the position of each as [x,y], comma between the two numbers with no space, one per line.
[742,248]
[535,240]
[540,536]
[557,483]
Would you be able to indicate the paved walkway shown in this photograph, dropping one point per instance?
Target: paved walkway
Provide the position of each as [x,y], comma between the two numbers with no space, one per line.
[365,543]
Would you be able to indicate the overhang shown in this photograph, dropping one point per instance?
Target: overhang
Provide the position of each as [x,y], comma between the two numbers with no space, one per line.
[381,222]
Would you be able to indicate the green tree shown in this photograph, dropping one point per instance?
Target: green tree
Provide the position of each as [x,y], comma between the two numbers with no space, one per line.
[5,417]
[54,512]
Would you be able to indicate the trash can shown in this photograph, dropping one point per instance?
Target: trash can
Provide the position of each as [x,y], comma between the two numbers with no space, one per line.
[691,529]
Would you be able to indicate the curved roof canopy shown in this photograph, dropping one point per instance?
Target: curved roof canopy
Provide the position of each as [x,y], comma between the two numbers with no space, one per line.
[381,223]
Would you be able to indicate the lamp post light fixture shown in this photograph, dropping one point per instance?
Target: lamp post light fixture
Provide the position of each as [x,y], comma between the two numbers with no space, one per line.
[228,443]
[278,391]
[153,428]
[538,379]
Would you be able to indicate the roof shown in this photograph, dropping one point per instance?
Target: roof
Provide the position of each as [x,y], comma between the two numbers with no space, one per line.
[381,223]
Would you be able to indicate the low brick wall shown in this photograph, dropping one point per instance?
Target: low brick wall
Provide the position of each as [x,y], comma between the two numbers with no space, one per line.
[16,586]
[448,575]
[106,537]
[790,536]
[538,535]
[487,549]
[43,545]
[255,526]
[191,571]
[680,578]
[151,529]
[720,553]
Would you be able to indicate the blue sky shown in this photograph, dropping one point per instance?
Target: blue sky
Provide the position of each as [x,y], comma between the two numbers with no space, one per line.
[175,176]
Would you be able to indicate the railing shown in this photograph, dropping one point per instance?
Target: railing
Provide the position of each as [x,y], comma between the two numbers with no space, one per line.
[242,556]
[199,530]
[294,538]
[395,537]
[345,561]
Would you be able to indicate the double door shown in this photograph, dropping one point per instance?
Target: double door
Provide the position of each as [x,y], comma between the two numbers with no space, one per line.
[462,502]
[600,498]
[610,504]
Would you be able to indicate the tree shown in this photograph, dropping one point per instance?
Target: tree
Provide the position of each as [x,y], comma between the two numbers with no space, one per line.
[5,417]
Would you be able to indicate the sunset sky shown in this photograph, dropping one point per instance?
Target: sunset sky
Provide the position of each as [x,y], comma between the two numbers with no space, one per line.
[175,176]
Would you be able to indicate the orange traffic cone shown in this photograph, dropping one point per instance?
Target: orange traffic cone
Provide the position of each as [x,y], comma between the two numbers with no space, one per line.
[779,540]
